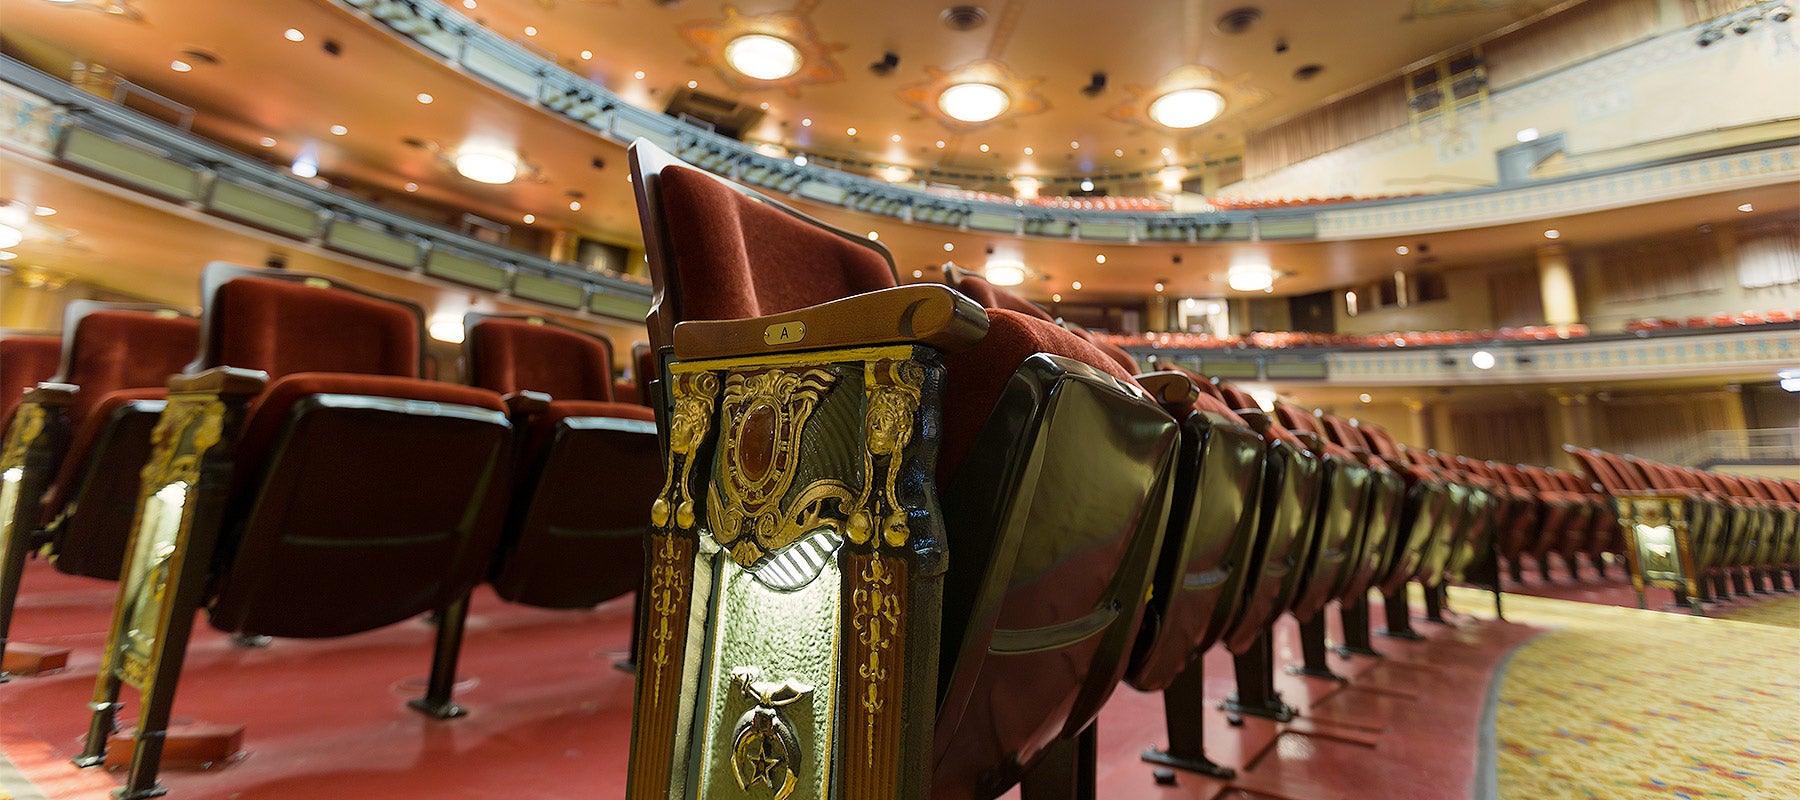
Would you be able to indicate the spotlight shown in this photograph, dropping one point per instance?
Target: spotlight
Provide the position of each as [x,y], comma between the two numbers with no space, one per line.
[1742,26]
[886,65]
[1710,35]
[1096,85]
[1781,14]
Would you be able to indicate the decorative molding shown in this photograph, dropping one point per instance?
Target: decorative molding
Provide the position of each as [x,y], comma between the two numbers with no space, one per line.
[709,38]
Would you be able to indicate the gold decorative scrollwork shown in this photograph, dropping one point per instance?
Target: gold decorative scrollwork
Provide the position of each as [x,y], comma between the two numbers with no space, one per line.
[766,413]
[875,615]
[893,387]
[668,585]
[688,424]
[764,746]
[28,422]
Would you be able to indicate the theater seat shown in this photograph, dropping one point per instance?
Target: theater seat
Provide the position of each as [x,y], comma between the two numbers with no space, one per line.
[304,482]
[1428,518]
[1339,529]
[85,439]
[989,600]
[1384,537]
[25,361]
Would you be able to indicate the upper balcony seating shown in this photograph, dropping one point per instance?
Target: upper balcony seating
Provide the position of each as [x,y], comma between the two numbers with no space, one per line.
[1052,474]
[84,437]
[25,361]
[1723,319]
[304,482]
[1282,340]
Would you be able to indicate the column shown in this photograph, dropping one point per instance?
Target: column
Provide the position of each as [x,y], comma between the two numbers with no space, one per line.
[1156,313]
[1571,421]
[1419,433]
[1556,282]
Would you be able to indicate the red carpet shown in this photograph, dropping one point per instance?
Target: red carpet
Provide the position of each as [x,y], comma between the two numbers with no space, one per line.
[550,718]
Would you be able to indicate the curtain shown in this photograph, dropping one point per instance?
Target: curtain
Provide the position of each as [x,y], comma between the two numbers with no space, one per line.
[1664,427]
[1582,32]
[1654,270]
[1769,257]
[1515,435]
[1352,119]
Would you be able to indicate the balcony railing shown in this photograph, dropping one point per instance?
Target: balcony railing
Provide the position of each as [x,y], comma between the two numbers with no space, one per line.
[1760,446]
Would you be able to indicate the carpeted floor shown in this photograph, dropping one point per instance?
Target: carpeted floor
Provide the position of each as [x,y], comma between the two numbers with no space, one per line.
[1619,703]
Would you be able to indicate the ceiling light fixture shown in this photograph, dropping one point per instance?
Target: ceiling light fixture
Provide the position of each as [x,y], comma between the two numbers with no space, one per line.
[763,57]
[1250,278]
[7,255]
[1526,135]
[940,144]
[849,131]
[1364,397]
[639,74]
[1005,274]
[806,122]
[43,211]
[529,218]
[293,35]
[1100,259]
[305,167]
[874,236]
[800,160]
[587,55]
[1402,250]
[486,167]
[693,84]
[267,141]
[1746,208]
[181,66]
[949,247]
[424,99]
[1482,359]
[1074,145]
[1056,298]
[1087,185]
[984,147]
[469,4]
[1027,151]
[895,138]
[1187,108]
[411,187]
[574,205]
[1159,287]
[974,102]
[530,30]
[339,130]
[1076,286]
[10,236]
[1553,234]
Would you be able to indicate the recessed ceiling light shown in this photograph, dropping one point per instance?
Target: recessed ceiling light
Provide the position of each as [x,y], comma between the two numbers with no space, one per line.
[849,131]
[1746,208]
[424,98]
[1076,286]
[7,255]
[267,141]
[918,273]
[894,138]
[763,57]
[411,187]
[1118,154]
[1100,259]
[940,144]
[1074,145]
[1250,278]
[806,122]
[43,211]
[487,167]
[10,236]
[693,84]
[1482,359]
[469,4]
[1005,274]
[1402,250]
[800,159]
[293,35]
[1527,135]
[587,55]
[639,74]
[764,106]
[984,147]
[1553,234]
[1027,151]
[1364,397]
[1187,108]
[974,102]
[181,66]
[339,130]
[1087,185]
[949,247]
[530,30]
[1159,287]
[530,218]
[874,237]
[1056,298]
[574,205]
[1167,151]
[305,167]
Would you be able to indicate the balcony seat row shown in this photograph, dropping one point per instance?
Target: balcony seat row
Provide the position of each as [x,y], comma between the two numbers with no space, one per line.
[1723,319]
[1283,340]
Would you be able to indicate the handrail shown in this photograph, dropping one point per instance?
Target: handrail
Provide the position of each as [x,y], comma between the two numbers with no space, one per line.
[85,111]
[1761,445]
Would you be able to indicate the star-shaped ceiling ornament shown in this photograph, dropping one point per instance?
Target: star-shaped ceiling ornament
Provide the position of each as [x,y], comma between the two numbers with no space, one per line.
[1023,97]
[710,37]
[1239,96]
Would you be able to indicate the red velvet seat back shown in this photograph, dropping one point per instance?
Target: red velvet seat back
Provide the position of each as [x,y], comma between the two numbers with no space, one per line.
[1379,439]
[285,327]
[514,355]
[739,257]
[125,349]
[25,361]
[988,295]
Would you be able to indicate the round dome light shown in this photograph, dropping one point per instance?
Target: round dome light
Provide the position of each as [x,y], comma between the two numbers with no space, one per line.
[483,167]
[1250,278]
[1005,274]
[974,102]
[10,236]
[1482,359]
[763,57]
[1187,108]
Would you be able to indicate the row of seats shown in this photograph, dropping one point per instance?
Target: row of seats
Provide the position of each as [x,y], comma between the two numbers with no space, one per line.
[1245,203]
[1724,319]
[1742,529]
[299,478]
[1281,340]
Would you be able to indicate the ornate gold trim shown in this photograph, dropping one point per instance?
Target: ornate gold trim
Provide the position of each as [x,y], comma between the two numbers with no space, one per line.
[745,508]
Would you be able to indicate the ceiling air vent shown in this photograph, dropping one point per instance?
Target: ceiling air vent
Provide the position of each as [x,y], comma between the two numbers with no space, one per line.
[963,18]
[725,116]
[1239,19]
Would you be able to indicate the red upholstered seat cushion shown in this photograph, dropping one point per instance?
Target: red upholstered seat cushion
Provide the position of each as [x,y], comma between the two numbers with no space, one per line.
[978,376]
[86,434]
[116,350]
[270,410]
[627,391]
[25,362]
[285,327]
[513,355]
[988,295]
[543,425]
[738,257]
[1208,401]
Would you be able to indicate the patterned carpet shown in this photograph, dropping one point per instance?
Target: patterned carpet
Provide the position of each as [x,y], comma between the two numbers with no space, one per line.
[1616,703]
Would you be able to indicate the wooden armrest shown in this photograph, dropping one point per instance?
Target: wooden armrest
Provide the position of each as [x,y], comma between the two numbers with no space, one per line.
[1170,388]
[525,403]
[926,314]
[222,381]
[52,394]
